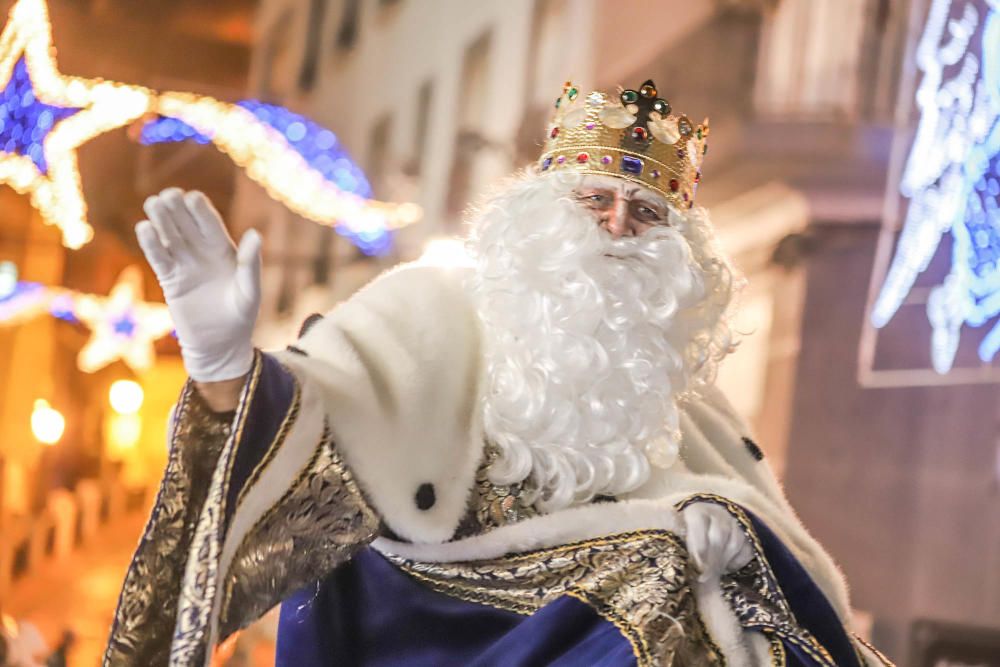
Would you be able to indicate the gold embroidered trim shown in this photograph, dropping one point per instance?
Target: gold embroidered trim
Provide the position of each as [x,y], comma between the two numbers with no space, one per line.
[319,523]
[200,586]
[493,505]
[754,592]
[145,617]
[886,662]
[286,424]
[779,658]
[638,581]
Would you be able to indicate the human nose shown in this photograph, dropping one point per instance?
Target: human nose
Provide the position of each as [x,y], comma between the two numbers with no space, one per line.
[616,220]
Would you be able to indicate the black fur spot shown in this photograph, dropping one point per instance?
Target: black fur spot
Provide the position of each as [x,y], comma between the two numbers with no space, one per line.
[296,350]
[308,323]
[754,450]
[425,497]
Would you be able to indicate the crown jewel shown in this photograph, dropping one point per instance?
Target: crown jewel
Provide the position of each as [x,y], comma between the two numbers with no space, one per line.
[635,137]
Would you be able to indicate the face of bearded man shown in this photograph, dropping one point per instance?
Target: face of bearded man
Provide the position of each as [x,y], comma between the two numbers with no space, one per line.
[590,339]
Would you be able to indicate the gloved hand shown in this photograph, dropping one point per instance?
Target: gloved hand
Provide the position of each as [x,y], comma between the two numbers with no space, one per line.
[715,540]
[212,287]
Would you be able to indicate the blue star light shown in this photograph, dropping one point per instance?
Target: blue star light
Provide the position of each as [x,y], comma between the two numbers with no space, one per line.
[124,325]
[24,120]
[317,145]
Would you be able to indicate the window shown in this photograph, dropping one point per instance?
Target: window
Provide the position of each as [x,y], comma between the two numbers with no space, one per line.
[347,34]
[323,261]
[378,153]
[277,52]
[804,67]
[424,98]
[314,31]
[472,105]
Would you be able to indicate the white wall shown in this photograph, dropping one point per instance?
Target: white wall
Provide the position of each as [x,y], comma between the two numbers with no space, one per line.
[400,46]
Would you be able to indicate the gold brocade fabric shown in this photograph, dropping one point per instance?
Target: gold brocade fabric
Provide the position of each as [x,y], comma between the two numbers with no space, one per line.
[180,593]
[638,581]
[175,584]
[319,523]
[494,505]
[145,618]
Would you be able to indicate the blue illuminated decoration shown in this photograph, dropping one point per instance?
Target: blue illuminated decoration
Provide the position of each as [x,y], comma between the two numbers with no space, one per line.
[952,179]
[23,302]
[317,145]
[61,307]
[24,120]
[124,325]
[165,130]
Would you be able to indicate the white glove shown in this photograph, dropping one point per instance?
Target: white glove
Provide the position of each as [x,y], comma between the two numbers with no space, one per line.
[211,287]
[715,540]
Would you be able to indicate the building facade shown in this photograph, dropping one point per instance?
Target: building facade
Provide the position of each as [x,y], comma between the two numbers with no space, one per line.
[809,101]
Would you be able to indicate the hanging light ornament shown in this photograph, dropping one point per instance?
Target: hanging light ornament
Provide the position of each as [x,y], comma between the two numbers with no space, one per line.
[122,325]
[45,116]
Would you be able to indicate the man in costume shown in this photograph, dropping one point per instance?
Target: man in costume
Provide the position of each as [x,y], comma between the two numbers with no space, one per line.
[521,463]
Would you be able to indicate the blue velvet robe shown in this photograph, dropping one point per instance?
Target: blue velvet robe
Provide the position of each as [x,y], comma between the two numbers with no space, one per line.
[344,603]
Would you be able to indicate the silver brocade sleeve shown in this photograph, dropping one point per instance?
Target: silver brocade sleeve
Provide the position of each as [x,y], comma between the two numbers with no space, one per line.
[247,513]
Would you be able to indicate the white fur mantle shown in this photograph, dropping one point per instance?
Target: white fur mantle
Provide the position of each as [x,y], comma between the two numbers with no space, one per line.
[399,369]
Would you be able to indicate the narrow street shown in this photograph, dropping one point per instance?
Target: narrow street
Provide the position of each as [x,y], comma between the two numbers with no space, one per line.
[79,592]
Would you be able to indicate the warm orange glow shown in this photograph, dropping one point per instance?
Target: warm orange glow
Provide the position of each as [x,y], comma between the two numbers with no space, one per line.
[125,397]
[106,105]
[47,423]
[123,433]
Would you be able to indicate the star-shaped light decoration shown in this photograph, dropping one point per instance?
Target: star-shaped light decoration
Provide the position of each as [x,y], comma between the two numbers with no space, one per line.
[122,325]
[45,116]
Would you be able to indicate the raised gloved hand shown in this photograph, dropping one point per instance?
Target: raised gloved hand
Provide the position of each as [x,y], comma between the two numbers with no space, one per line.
[212,287]
[715,540]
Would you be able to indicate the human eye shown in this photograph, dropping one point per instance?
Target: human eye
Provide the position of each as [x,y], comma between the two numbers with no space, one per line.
[594,199]
[647,213]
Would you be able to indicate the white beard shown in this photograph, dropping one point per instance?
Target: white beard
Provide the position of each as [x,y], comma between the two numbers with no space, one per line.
[590,340]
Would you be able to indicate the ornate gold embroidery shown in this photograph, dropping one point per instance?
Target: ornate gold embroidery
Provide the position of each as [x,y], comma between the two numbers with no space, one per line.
[492,505]
[145,618]
[319,523]
[199,583]
[754,594]
[778,656]
[886,662]
[638,581]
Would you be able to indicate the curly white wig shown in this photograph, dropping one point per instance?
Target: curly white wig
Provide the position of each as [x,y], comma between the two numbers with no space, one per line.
[590,341]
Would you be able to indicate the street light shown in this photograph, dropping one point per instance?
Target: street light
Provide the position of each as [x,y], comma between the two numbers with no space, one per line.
[47,423]
[125,397]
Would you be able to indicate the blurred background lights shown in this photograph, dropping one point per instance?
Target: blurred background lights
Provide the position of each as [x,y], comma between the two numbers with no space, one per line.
[123,432]
[47,423]
[8,279]
[125,396]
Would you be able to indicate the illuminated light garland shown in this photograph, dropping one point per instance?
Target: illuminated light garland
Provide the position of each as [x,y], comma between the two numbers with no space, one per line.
[952,179]
[26,301]
[317,145]
[56,114]
[45,116]
[122,325]
[280,163]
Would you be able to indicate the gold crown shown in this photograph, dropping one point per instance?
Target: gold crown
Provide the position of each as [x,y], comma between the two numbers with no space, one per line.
[634,137]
